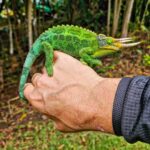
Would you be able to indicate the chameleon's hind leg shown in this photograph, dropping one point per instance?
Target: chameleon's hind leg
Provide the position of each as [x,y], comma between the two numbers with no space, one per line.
[87,58]
[48,50]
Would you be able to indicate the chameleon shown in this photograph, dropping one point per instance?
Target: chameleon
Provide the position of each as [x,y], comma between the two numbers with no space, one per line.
[76,41]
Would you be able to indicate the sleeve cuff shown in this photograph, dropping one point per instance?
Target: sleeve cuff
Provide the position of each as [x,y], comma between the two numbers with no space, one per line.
[131,109]
[132,116]
[118,104]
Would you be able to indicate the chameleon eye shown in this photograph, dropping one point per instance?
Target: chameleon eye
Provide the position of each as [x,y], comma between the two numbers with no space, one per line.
[101,36]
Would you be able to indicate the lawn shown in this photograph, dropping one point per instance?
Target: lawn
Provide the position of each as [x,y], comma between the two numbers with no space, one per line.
[41,135]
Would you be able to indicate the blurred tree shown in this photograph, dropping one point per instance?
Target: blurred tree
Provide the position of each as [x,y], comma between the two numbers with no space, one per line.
[117,7]
[10,35]
[35,19]
[108,17]
[7,14]
[126,19]
[138,11]
[2,2]
[1,77]
[16,21]
[145,12]
[29,14]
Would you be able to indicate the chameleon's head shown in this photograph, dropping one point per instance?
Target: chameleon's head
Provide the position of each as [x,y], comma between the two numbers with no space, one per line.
[113,43]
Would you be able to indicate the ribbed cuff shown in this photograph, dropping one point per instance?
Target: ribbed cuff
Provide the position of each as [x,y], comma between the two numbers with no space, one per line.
[133,109]
[118,104]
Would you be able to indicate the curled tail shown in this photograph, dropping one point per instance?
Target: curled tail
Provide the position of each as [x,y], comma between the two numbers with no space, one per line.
[35,51]
[31,57]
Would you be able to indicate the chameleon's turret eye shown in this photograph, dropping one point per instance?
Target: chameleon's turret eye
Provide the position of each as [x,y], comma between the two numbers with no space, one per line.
[101,40]
[101,36]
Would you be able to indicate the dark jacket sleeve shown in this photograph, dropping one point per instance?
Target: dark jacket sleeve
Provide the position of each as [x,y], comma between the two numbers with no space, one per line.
[131,109]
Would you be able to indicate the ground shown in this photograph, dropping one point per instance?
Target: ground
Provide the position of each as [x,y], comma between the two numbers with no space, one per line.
[23,128]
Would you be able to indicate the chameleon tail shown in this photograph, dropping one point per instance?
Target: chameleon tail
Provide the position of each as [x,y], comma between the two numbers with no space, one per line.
[25,72]
[48,50]
[35,51]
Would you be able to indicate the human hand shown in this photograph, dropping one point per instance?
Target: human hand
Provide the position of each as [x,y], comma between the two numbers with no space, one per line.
[72,96]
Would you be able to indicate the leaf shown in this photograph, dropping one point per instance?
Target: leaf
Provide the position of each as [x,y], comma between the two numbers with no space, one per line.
[24,115]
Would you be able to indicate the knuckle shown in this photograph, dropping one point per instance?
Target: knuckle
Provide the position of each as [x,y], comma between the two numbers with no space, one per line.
[36,79]
[39,82]
[27,90]
[34,76]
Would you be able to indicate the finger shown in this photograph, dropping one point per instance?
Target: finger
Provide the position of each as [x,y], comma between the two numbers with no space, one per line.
[44,81]
[59,61]
[28,90]
[56,54]
[36,100]
[32,93]
[44,71]
[35,78]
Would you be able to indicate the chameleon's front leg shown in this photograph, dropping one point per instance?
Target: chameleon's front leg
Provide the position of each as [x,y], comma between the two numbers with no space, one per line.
[48,50]
[87,58]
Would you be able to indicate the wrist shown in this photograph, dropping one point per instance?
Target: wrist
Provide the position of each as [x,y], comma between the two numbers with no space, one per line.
[104,93]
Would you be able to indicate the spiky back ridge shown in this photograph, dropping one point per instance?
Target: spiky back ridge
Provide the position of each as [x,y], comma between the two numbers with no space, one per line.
[70,39]
[73,29]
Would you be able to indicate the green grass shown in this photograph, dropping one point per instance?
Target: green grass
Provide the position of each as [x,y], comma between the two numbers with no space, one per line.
[43,136]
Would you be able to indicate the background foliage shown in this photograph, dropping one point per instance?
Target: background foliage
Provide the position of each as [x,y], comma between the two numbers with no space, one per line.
[22,21]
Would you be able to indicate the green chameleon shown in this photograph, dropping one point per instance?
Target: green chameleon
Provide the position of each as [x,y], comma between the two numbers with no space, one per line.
[75,41]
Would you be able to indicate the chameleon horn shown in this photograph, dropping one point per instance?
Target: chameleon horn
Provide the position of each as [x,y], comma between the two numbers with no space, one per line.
[123,40]
[130,44]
